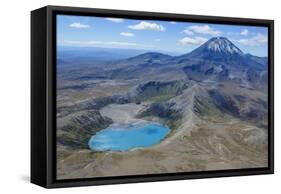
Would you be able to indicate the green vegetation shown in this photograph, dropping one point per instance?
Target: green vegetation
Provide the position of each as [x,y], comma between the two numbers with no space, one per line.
[206,109]
[160,98]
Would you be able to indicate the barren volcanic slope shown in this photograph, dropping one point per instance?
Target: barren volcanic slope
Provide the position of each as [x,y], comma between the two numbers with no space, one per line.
[214,101]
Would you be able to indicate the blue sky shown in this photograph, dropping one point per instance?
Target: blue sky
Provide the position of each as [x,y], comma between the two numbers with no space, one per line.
[150,35]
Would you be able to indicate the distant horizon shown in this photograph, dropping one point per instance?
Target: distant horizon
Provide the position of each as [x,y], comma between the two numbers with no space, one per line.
[139,50]
[131,49]
[155,36]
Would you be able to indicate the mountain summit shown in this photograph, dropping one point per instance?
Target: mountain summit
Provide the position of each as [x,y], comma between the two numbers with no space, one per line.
[221,45]
[217,49]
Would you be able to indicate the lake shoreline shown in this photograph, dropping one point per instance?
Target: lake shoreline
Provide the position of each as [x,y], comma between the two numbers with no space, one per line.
[125,123]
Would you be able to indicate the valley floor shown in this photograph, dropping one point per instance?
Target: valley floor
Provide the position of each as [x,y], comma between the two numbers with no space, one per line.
[122,113]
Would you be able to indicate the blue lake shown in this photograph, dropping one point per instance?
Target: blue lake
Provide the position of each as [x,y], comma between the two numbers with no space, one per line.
[126,137]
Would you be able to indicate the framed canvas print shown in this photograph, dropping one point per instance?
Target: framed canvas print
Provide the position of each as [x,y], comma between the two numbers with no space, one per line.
[125,96]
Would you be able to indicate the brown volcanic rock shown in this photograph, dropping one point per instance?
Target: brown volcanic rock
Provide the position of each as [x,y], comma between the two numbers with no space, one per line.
[75,129]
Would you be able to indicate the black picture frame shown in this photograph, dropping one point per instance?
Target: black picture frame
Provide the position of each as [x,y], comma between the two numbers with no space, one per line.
[43,96]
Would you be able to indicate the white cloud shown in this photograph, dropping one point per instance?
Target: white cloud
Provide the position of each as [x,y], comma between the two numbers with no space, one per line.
[188,32]
[257,40]
[172,22]
[192,41]
[78,25]
[205,29]
[157,40]
[110,44]
[116,20]
[244,32]
[147,26]
[128,34]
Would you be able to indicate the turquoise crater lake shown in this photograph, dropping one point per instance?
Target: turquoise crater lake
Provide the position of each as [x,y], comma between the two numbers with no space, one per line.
[125,137]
